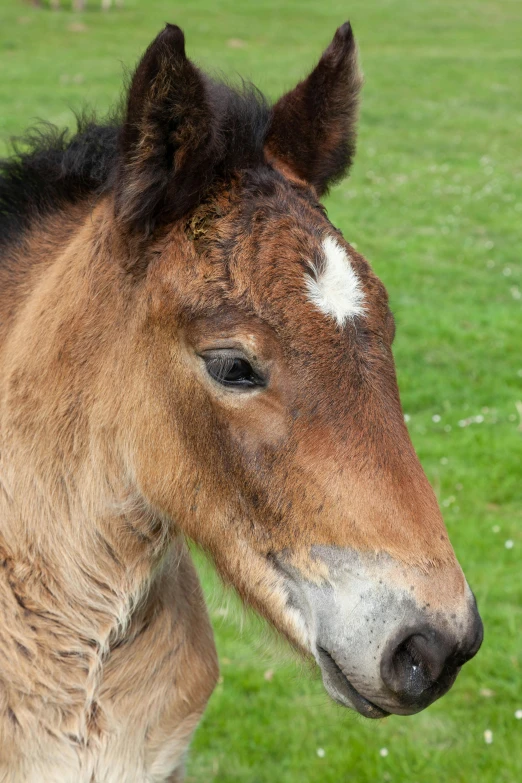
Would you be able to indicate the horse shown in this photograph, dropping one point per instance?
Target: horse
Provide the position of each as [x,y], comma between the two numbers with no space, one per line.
[191,351]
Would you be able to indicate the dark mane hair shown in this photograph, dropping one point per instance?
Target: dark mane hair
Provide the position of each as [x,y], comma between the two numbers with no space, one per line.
[50,168]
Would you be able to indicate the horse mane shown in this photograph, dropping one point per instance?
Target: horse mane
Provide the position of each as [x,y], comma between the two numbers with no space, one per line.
[50,168]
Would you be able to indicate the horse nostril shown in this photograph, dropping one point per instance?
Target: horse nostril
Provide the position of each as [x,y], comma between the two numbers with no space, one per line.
[421,663]
[414,663]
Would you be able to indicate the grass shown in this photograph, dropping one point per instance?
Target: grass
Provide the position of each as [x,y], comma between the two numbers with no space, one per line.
[435,202]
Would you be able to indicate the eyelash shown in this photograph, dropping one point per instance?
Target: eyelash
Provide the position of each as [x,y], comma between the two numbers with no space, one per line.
[238,369]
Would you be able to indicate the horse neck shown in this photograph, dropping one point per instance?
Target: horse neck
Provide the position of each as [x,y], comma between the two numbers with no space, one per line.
[77,539]
[85,569]
[23,261]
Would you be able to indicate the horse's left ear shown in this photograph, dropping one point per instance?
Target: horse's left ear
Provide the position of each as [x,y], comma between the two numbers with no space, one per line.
[312,133]
[168,142]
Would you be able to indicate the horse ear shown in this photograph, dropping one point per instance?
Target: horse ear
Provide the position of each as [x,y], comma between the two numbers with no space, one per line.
[167,139]
[312,133]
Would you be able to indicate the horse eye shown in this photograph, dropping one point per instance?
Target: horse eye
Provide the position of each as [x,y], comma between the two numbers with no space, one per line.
[232,371]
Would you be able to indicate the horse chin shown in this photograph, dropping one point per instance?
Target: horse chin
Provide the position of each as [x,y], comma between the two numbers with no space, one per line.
[341,690]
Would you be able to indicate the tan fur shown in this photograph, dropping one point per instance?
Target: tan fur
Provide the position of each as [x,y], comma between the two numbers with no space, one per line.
[101,607]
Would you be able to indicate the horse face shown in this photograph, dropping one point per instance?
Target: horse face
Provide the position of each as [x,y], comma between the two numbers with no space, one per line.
[300,478]
[275,432]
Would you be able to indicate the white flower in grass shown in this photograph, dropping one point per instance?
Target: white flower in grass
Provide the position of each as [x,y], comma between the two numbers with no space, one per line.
[383,752]
[488,736]
[509,544]
[321,753]
[518,714]
[436,418]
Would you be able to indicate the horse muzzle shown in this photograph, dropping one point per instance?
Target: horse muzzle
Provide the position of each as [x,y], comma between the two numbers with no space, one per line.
[382,647]
[417,667]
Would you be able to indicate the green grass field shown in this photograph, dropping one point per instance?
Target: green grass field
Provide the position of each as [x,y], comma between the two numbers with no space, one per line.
[435,202]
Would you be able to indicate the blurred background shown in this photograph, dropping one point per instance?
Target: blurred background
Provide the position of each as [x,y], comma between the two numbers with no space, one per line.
[434,201]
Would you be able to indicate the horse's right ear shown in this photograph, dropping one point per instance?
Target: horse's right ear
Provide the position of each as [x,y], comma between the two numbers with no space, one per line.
[312,134]
[167,141]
